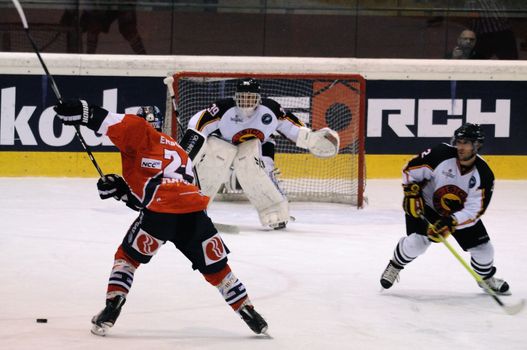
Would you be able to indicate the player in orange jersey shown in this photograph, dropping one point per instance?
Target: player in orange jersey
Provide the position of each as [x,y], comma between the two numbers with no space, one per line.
[157,181]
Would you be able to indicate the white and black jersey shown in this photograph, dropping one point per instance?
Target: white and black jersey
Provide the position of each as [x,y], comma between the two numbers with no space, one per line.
[223,119]
[449,189]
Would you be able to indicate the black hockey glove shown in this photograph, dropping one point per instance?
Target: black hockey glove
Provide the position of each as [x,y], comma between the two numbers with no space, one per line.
[413,203]
[444,226]
[113,185]
[73,112]
[77,112]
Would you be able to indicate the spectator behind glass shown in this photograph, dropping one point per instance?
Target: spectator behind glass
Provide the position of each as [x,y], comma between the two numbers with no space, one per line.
[98,20]
[464,50]
[493,30]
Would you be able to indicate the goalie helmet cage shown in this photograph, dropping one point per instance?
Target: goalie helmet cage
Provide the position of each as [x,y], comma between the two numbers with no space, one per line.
[336,101]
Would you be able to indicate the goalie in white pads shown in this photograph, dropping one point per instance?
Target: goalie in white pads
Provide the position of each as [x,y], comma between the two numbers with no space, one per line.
[237,132]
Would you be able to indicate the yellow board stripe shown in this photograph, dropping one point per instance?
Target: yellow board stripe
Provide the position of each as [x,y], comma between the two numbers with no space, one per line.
[77,164]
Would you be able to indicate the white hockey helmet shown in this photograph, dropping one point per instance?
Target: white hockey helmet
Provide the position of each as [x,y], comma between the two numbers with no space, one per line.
[247,96]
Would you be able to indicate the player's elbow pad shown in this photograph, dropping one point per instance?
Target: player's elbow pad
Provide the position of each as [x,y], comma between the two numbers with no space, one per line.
[193,142]
[323,143]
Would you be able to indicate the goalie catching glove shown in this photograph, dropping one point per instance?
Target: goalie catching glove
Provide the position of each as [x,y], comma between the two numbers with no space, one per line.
[444,226]
[413,204]
[113,185]
[323,143]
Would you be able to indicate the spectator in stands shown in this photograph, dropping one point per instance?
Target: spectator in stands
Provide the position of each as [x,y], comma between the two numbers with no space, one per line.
[493,30]
[464,50]
[95,21]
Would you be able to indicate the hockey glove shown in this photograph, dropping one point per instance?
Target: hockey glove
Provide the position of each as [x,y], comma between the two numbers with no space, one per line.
[73,112]
[113,185]
[444,226]
[323,143]
[413,204]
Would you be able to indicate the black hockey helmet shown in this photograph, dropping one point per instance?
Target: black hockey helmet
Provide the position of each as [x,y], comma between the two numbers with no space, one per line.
[247,95]
[248,85]
[152,115]
[470,132]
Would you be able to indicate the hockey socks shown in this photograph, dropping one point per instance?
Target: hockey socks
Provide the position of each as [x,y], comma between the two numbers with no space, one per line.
[230,287]
[122,275]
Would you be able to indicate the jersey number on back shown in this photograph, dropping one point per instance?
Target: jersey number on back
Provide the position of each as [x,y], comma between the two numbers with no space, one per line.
[176,169]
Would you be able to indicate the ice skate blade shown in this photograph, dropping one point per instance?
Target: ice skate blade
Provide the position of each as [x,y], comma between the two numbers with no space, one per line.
[98,330]
[264,331]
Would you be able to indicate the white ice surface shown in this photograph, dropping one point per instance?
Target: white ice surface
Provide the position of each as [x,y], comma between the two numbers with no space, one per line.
[317,283]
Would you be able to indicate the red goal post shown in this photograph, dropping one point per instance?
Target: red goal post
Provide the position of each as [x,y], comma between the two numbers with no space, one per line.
[319,100]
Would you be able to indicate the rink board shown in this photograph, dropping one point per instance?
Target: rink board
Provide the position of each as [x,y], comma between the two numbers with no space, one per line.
[77,164]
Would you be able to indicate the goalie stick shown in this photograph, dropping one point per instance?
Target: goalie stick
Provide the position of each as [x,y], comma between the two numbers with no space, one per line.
[169,81]
[53,84]
[509,309]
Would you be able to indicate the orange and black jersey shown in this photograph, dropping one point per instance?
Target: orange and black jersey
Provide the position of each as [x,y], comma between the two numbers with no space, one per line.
[223,119]
[447,188]
[156,168]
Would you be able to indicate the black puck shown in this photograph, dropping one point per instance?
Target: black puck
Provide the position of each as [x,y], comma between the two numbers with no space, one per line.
[42,320]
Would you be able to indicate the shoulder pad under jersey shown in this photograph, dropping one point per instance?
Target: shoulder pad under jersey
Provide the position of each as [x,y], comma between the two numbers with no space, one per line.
[274,107]
[434,156]
[485,172]
[214,112]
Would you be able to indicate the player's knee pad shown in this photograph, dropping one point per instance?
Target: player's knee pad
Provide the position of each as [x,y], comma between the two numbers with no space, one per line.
[414,245]
[261,191]
[139,244]
[214,167]
[214,255]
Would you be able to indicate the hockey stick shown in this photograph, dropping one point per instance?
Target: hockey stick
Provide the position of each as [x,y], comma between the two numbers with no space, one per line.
[53,84]
[169,81]
[509,309]
[225,228]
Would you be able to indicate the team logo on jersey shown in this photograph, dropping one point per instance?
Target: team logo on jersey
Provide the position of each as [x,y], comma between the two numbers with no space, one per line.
[267,119]
[146,244]
[472,182]
[246,135]
[237,119]
[213,250]
[151,163]
[449,173]
[449,199]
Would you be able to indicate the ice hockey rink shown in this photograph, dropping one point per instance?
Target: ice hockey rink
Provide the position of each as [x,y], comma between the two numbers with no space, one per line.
[317,283]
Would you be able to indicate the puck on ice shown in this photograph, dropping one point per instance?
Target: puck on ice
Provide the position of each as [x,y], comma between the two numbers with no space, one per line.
[42,320]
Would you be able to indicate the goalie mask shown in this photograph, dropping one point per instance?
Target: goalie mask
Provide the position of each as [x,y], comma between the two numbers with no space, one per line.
[247,96]
[472,133]
[152,115]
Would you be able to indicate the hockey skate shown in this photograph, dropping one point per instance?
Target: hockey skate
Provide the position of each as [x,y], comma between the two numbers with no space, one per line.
[279,226]
[253,319]
[390,275]
[107,317]
[497,285]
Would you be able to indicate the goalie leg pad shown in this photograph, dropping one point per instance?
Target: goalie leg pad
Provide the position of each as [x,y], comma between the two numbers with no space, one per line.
[214,168]
[271,205]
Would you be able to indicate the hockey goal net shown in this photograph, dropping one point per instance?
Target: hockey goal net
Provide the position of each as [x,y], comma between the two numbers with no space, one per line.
[319,100]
